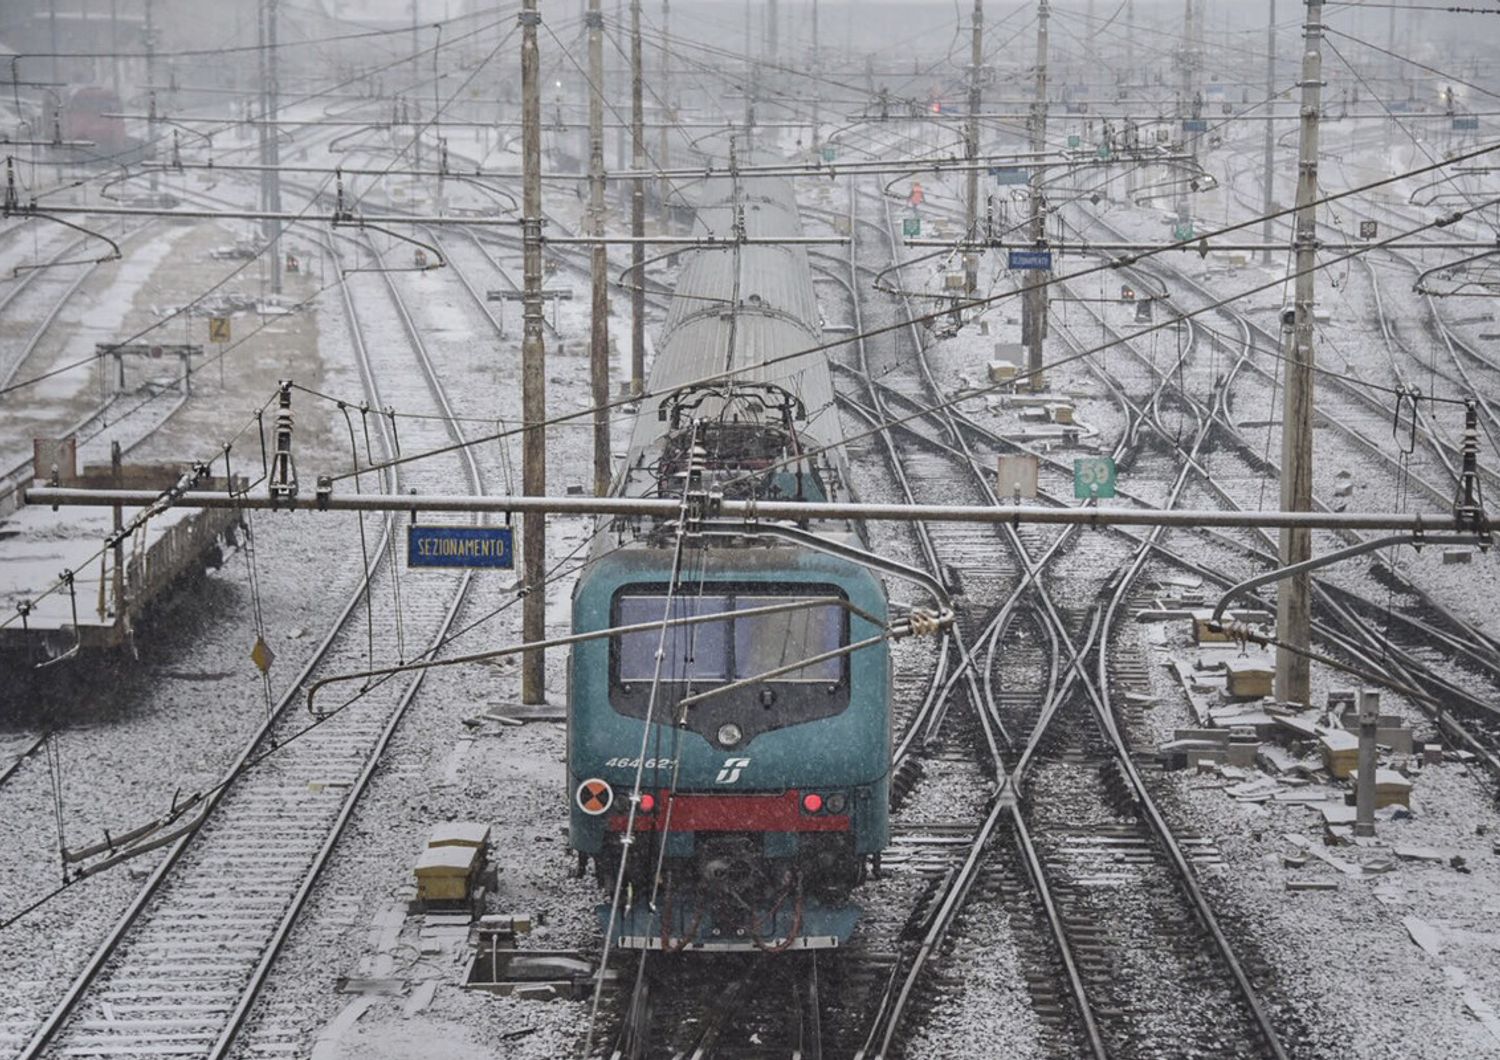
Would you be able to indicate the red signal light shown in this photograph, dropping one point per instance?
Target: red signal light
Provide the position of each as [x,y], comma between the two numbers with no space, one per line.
[812,802]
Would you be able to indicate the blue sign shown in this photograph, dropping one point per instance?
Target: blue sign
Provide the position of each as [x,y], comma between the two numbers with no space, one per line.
[461,546]
[1009,175]
[1466,124]
[1030,259]
[1195,125]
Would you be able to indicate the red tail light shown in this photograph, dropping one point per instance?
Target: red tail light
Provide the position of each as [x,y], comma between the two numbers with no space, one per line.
[812,802]
[648,803]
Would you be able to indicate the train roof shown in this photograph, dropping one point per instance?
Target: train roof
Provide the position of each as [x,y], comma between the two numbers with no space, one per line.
[737,307]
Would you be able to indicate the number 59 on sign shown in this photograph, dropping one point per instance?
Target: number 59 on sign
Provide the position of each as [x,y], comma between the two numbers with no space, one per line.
[1093,476]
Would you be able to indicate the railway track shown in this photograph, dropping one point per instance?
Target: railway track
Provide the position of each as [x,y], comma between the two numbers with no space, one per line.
[760,1006]
[180,971]
[1351,628]
[1180,870]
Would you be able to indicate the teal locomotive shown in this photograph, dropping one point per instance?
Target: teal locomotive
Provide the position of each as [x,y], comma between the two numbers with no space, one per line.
[729,746]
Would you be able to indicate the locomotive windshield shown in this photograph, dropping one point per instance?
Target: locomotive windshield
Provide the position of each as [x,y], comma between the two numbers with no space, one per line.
[691,653]
[735,649]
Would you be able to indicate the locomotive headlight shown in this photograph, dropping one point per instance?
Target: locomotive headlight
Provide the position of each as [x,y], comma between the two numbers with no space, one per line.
[730,734]
[836,802]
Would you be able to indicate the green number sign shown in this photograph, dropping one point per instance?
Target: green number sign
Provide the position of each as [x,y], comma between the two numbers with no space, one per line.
[829,154]
[911,226]
[1183,231]
[1074,141]
[1093,476]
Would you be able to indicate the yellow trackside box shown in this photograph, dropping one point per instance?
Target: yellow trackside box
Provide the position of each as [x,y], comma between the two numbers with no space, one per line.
[455,855]
[1249,679]
[460,834]
[444,873]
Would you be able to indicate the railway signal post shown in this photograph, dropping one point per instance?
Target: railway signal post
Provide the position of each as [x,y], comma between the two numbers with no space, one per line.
[533,371]
[1293,598]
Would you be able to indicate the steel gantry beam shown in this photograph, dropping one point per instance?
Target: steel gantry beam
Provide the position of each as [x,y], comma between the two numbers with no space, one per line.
[708,507]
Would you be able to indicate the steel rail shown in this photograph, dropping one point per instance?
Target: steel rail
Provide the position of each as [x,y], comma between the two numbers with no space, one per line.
[1359,440]
[1354,436]
[22,755]
[895,999]
[933,700]
[1100,695]
[808,1015]
[96,963]
[1443,449]
[1158,823]
[95,966]
[1410,673]
[894,1004]
[251,991]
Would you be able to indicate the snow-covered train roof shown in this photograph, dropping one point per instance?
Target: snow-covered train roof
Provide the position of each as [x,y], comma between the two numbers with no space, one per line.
[741,307]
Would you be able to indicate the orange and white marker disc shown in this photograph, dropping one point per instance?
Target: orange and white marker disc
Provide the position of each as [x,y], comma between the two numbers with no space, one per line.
[595,796]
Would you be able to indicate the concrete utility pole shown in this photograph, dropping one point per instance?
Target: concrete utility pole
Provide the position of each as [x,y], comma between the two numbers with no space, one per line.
[1294,598]
[772,43]
[270,147]
[1034,305]
[1367,764]
[1269,233]
[55,45]
[273,139]
[533,365]
[114,47]
[416,76]
[816,68]
[117,578]
[598,256]
[623,136]
[150,42]
[1182,201]
[637,210]
[971,147]
[1090,48]
[1390,46]
[664,154]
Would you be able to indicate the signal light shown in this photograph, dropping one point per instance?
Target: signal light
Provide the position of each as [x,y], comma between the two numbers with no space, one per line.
[812,802]
[648,803]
